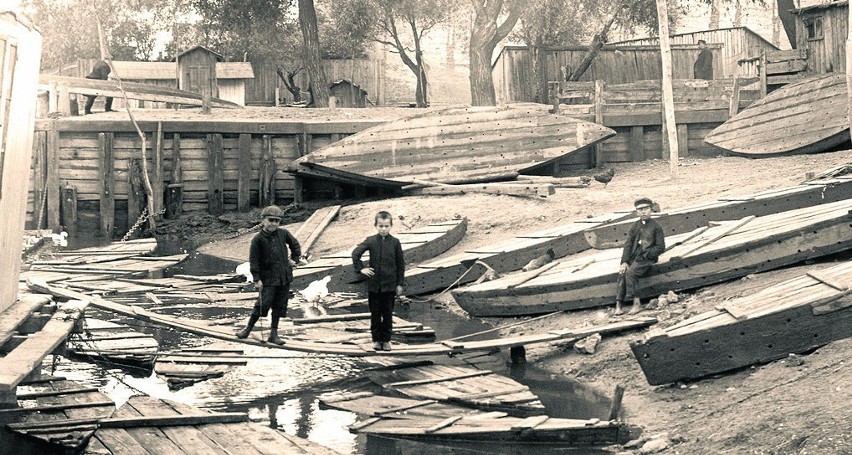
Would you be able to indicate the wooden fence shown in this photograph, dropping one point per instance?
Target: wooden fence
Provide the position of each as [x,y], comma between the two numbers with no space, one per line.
[634,111]
[199,166]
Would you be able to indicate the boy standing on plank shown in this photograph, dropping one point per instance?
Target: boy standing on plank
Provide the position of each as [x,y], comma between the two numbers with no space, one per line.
[272,270]
[385,278]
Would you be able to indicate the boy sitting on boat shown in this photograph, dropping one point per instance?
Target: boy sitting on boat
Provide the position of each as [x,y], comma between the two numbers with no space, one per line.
[385,278]
[271,270]
[645,243]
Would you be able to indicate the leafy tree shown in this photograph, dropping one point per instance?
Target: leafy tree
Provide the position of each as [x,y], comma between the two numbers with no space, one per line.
[484,37]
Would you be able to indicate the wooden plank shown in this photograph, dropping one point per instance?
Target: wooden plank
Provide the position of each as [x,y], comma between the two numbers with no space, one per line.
[15,366]
[69,209]
[157,177]
[119,441]
[106,163]
[132,90]
[174,191]
[13,317]
[266,179]
[599,119]
[530,423]
[828,280]
[637,143]
[733,227]
[735,98]
[442,424]
[512,189]
[456,377]
[53,196]
[244,180]
[215,164]
[683,139]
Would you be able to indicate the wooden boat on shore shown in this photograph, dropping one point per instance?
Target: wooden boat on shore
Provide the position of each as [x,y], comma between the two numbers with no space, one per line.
[115,343]
[809,116]
[722,251]
[791,317]
[430,420]
[418,244]
[503,257]
[678,221]
[453,145]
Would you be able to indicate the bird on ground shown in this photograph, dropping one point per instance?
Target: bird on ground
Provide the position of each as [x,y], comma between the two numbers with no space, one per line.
[60,239]
[540,261]
[244,269]
[606,176]
[314,295]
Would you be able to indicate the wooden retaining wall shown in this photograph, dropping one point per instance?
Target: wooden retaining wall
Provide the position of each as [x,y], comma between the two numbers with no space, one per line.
[214,166]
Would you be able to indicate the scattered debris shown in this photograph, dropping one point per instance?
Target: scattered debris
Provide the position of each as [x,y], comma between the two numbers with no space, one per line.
[540,261]
[588,345]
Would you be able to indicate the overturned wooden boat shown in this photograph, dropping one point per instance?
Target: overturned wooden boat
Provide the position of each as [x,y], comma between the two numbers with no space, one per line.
[418,244]
[678,221]
[453,145]
[723,251]
[116,343]
[808,116]
[791,317]
[430,420]
[503,257]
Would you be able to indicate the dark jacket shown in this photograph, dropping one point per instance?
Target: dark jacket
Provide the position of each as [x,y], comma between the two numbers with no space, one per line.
[703,67]
[268,257]
[386,259]
[645,241]
[100,71]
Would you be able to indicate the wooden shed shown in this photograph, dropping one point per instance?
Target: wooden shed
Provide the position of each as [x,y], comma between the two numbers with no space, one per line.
[513,74]
[348,94]
[821,28]
[20,54]
[735,45]
[197,70]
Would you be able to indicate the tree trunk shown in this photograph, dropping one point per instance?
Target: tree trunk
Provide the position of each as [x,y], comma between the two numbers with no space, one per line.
[595,47]
[310,38]
[290,83]
[714,14]
[421,92]
[484,37]
[539,55]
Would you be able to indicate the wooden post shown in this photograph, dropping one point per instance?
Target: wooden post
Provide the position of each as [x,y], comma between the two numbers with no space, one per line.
[205,98]
[53,177]
[69,209]
[518,354]
[64,100]
[298,189]
[683,139]
[39,177]
[53,98]
[215,175]
[135,191]
[244,179]
[615,405]
[266,190]
[107,171]
[174,193]
[637,143]
[762,72]
[157,177]
[849,61]
[599,119]
[734,108]
[668,97]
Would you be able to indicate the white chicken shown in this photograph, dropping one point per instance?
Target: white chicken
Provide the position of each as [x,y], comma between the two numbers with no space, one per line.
[60,239]
[245,270]
[314,294]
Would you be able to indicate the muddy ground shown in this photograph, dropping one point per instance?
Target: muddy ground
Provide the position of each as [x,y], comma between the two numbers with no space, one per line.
[800,405]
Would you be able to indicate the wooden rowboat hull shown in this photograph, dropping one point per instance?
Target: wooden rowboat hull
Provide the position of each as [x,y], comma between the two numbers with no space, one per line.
[503,257]
[454,145]
[562,289]
[594,435]
[613,235]
[418,245]
[809,116]
[721,340]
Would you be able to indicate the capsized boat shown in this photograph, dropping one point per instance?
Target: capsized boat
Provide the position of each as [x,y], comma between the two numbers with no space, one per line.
[453,145]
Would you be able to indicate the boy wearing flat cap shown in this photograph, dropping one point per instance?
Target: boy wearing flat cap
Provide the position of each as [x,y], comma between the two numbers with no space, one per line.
[645,243]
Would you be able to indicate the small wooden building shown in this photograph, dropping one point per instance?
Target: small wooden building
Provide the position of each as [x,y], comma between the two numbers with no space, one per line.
[821,28]
[20,54]
[197,70]
[348,94]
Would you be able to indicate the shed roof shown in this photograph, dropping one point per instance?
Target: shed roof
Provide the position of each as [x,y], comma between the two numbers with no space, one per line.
[219,56]
[346,81]
[809,5]
[168,70]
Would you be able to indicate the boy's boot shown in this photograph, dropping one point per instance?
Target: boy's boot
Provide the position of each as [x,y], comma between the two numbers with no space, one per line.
[244,333]
[273,332]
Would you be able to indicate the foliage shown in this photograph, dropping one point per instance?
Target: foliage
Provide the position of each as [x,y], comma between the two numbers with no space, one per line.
[346,27]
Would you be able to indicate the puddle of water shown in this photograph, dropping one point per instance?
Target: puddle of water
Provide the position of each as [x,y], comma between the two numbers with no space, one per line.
[282,392]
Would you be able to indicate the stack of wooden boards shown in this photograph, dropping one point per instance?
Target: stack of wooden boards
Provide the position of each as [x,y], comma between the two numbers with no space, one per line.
[130,258]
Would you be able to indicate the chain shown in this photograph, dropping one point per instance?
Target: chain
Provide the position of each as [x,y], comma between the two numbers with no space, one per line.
[143,217]
[242,231]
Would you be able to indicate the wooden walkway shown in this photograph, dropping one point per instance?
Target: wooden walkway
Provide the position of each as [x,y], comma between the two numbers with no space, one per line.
[437,348]
[116,343]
